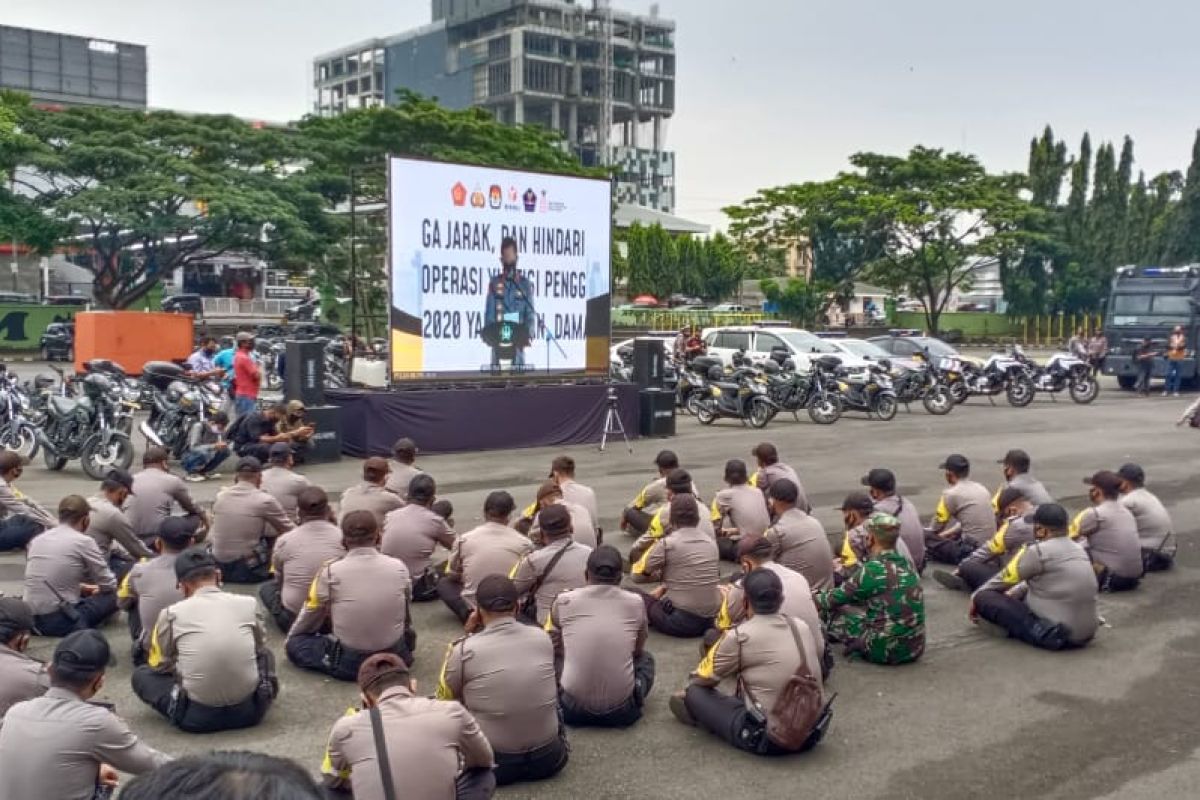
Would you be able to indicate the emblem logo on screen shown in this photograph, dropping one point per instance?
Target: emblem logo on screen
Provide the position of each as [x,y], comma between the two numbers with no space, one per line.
[477,198]
[513,194]
[496,196]
[544,206]
[459,194]
[530,199]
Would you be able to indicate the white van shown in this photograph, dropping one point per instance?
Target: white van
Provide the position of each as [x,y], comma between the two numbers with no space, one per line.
[757,341]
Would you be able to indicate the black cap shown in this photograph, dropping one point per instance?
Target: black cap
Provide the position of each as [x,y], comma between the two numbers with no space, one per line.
[496,593]
[857,501]
[15,614]
[1008,496]
[882,479]
[1051,515]
[81,654]
[955,463]
[176,531]
[605,562]
[279,452]
[1132,473]
[119,477]
[1107,482]
[1017,459]
[555,520]
[249,464]
[192,560]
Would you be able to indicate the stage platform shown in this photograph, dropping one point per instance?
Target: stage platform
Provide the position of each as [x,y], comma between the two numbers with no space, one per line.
[483,417]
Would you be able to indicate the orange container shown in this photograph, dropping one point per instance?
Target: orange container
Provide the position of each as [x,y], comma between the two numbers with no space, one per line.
[131,338]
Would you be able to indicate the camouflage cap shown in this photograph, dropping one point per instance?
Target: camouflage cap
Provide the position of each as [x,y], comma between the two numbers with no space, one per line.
[882,521]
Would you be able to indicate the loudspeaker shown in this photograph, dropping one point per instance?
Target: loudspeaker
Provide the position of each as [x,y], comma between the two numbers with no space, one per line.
[304,372]
[656,412]
[327,440]
[649,363]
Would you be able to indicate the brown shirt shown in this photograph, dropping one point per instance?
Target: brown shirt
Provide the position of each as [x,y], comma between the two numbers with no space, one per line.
[686,561]
[109,525]
[568,573]
[1109,532]
[504,675]
[299,554]
[582,529]
[14,501]
[412,533]
[970,505]
[427,741]
[365,594]
[369,497]
[285,485]
[742,507]
[400,477]
[490,549]
[242,516]
[601,628]
[151,586]
[63,558]
[155,493]
[21,678]
[912,531]
[801,545]
[652,496]
[778,471]
[797,602]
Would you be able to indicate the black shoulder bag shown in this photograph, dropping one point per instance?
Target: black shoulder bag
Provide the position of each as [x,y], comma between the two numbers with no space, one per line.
[381,754]
[529,606]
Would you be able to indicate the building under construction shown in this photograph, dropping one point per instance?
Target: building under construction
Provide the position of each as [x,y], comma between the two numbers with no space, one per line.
[603,78]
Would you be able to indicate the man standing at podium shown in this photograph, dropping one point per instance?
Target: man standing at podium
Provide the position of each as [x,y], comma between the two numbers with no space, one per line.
[509,305]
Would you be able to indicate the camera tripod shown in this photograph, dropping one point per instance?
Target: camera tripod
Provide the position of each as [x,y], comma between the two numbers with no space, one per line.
[612,422]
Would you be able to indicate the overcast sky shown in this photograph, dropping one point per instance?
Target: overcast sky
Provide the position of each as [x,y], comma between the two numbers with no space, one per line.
[769,91]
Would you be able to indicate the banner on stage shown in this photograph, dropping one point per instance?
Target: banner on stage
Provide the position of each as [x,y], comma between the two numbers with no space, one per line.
[457,311]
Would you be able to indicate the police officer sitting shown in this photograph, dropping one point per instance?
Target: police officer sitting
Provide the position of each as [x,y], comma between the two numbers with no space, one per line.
[298,555]
[1156,532]
[493,548]
[771,469]
[686,562]
[68,584]
[413,532]
[403,467]
[679,484]
[798,538]
[881,486]
[365,597]
[1046,596]
[559,566]
[282,482]
[434,748]
[986,561]
[20,517]
[21,676]
[738,510]
[155,493]
[1015,466]
[151,585]
[857,509]
[599,633]
[964,518]
[562,472]
[246,521]
[637,515]
[372,494]
[209,668]
[504,674]
[1109,533]
[109,526]
[550,494]
[61,745]
[761,655]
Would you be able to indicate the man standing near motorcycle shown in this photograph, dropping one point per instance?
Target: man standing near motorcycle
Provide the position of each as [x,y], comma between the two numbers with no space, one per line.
[247,375]
[200,363]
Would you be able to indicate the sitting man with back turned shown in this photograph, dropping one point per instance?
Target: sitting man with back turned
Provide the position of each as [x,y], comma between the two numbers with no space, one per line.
[22,677]
[636,517]
[878,612]
[246,522]
[1156,532]
[151,585]
[491,549]
[798,538]
[1108,531]
[281,481]
[964,518]
[686,562]
[372,494]
[402,467]
[413,533]
[738,510]
[20,517]
[545,573]
[298,555]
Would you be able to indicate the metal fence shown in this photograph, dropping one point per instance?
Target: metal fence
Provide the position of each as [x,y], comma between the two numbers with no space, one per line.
[228,306]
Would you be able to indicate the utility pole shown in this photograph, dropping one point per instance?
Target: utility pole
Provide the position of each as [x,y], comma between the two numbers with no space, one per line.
[607,88]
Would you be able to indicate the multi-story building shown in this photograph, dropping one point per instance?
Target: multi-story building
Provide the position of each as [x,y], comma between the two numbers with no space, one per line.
[56,69]
[603,78]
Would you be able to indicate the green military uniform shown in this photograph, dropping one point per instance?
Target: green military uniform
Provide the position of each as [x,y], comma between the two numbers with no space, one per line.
[878,612]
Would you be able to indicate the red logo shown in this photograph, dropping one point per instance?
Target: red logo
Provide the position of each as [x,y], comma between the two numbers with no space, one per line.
[495,196]
[459,194]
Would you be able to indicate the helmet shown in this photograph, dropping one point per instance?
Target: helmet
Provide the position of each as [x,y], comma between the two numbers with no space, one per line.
[96,385]
[715,373]
[770,367]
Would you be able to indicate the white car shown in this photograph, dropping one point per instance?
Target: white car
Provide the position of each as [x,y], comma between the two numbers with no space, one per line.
[757,341]
[861,350]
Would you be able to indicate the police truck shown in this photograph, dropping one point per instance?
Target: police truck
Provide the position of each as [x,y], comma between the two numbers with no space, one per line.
[1147,303]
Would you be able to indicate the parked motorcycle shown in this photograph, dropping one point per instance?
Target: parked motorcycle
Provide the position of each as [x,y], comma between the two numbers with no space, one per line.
[693,382]
[1000,373]
[869,390]
[742,395]
[1062,371]
[91,427]
[923,384]
[814,391]
[17,433]
[179,405]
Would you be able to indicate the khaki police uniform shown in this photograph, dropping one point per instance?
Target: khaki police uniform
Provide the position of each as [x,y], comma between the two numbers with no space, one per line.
[801,545]
[577,493]
[994,555]
[660,525]
[600,632]
[245,520]
[742,508]
[504,675]
[1156,532]
[22,677]
[490,549]
[650,499]
[364,596]
[411,534]
[20,518]
[1109,533]
[765,476]
[1054,586]
[1033,490]
[369,497]
[208,668]
[583,530]
[797,602]
[149,587]
[685,561]
[912,531]
[856,548]
[114,534]
[759,656]
[285,486]
[155,493]
[431,745]
[966,505]
[532,574]
[400,477]
[52,747]
[297,557]
[58,561]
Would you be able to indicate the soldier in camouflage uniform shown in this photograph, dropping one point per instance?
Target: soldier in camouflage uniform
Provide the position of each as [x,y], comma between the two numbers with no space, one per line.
[878,612]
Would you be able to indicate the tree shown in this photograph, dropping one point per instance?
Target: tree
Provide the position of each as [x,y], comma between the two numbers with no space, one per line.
[20,221]
[662,261]
[689,254]
[1184,242]
[799,301]
[1026,275]
[641,281]
[722,268]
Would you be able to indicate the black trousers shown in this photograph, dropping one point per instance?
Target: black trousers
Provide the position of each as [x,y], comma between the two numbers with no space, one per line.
[1156,560]
[471,784]
[1108,581]
[89,612]
[977,573]
[451,591]
[946,551]
[161,692]
[17,530]
[271,599]
[120,566]
[243,572]
[727,548]
[425,585]
[1021,623]
[623,715]
[538,764]
[665,618]
[322,653]
[636,520]
[726,717]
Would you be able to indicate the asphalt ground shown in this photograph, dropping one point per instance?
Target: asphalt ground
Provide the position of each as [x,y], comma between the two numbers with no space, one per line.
[975,717]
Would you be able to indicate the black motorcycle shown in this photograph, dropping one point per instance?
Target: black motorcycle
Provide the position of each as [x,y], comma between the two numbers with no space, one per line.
[91,427]
[742,395]
[815,391]
[923,384]
[178,406]
[693,383]
[17,433]
[869,390]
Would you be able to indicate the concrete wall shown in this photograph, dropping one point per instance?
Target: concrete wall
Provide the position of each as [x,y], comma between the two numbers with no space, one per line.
[420,64]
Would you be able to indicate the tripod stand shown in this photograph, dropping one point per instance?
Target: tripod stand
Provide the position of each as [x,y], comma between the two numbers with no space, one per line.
[613,423]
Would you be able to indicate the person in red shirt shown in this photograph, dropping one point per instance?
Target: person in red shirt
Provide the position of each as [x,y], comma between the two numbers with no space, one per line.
[247,375]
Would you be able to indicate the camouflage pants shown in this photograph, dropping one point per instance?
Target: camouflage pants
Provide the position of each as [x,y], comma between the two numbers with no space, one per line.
[852,628]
